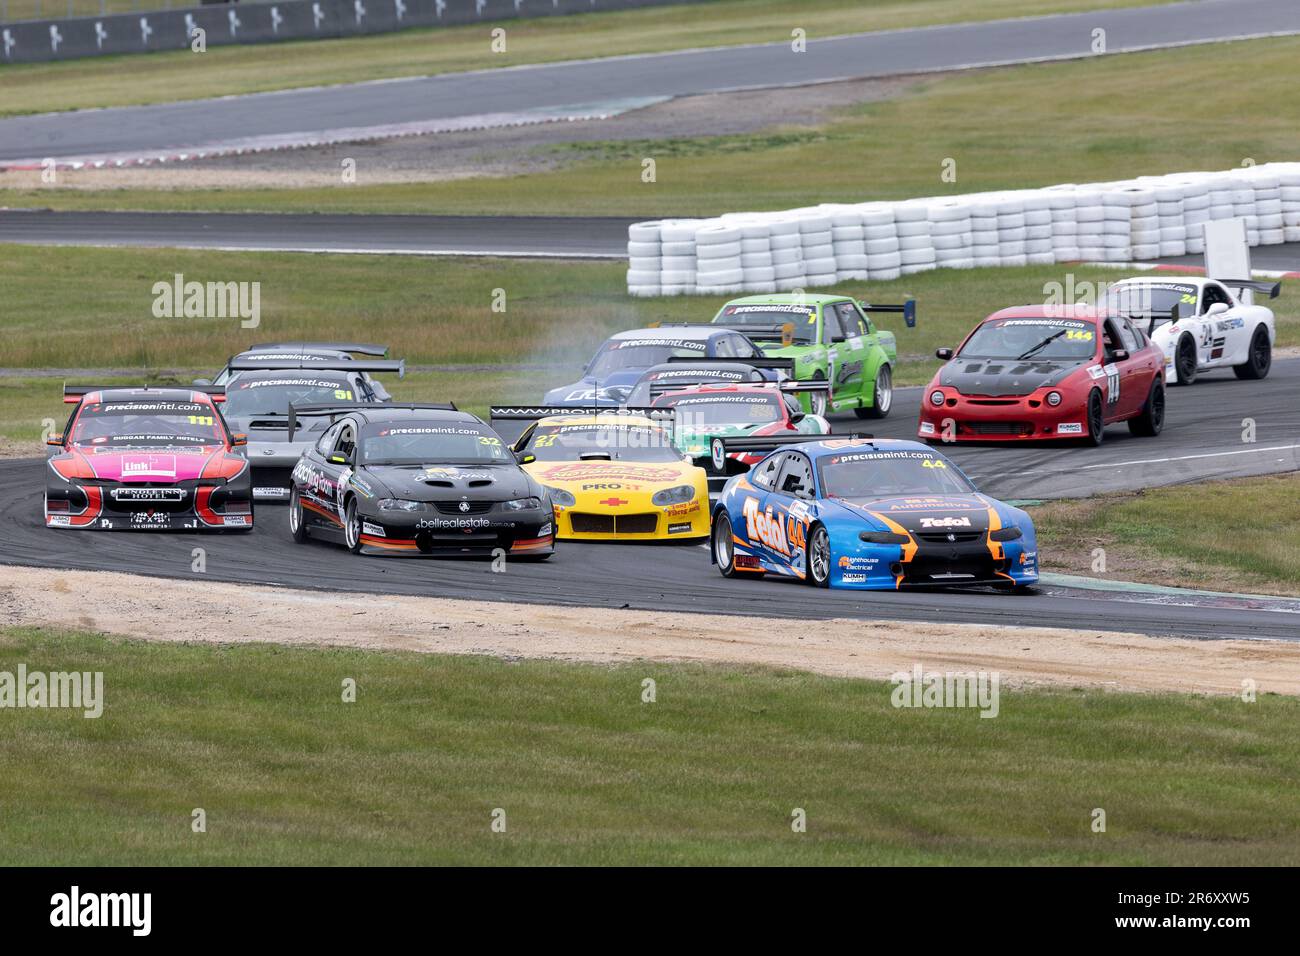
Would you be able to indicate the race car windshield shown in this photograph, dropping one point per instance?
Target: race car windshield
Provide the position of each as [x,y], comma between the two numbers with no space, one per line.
[1024,339]
[137,424]
[616,356]
[768,320]
[614,442]
[697,413]
[886,474]
[1151,301]
[245,398]
[431,443]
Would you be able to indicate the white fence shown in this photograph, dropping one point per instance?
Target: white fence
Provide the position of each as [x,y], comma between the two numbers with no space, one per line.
[1140,219]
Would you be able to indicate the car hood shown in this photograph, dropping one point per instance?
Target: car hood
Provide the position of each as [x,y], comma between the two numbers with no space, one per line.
[573,394]
[572,475]
[697,443]
[504,482]
[928,514]
[149,464]
[1005,376]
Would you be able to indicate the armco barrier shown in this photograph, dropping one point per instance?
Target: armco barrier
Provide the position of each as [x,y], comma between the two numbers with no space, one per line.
[1140,219]
[34,41]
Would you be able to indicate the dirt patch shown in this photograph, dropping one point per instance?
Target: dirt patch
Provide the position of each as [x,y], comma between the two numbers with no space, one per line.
[15,448]
[201,611]
[505,151]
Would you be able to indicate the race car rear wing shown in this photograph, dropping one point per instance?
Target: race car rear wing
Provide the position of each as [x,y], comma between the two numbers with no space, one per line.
[72,394]
[1272,289]
[907,309]
[342,365]
[360,348]
[781,364]
[720,448]
[308,410]
[821,385]
[528,413]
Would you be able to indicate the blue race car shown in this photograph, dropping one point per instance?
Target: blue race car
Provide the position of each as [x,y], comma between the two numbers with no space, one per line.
[611,374]
[848,511]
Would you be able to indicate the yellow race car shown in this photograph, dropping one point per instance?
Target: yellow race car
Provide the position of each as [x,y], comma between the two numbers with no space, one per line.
[613,474]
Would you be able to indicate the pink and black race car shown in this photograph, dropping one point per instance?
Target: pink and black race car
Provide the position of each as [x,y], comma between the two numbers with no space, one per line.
[147,459]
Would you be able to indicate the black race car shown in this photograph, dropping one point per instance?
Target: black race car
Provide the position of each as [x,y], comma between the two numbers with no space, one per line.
[415,480]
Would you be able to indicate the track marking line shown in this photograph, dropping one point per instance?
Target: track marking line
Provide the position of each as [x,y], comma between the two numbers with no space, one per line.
[1213,454]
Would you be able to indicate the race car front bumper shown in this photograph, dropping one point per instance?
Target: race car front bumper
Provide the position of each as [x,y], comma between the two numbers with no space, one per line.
[1005,418]
[432,534]
[272,465]
[116,506]
[974,561]
[594,522]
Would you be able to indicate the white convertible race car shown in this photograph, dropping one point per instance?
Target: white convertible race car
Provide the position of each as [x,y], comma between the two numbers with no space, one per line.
[1200,324]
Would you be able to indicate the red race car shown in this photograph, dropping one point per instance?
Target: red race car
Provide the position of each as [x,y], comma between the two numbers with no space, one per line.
[1038,372]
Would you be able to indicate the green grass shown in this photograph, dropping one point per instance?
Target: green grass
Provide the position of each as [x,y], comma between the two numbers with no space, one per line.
[1167,536]
[222,71]
[69,307]
[1081,121]
[410,773]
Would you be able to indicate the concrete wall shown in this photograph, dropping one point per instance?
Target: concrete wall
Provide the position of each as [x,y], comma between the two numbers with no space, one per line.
[34,41]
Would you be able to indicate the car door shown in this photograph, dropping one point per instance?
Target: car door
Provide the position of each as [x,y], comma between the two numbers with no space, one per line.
[788,505]
[1135,371]
[854,350]
[1222,336]
[751,523]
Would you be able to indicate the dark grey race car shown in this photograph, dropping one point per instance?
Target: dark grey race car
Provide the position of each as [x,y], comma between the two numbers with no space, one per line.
[416,480]
[258,402]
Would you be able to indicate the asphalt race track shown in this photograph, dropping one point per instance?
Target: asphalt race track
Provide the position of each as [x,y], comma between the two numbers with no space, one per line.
[1203,420]
[597,237]
[231,121]
[561,237]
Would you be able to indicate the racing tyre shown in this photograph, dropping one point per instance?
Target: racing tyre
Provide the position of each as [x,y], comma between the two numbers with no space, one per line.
[1260,359]
[1185,361]
[724,548]
[1096,421]
[883,395]
[297,520]
[819,402]
[352,527]
[1151,419]
[819,558]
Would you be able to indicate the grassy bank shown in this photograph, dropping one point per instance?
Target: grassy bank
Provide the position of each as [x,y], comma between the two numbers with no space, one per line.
[1080,121]
[229,70]
[1169,536]
[257,736]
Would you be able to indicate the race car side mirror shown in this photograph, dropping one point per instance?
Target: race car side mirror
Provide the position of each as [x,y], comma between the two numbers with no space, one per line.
[55,440]
[797,417]
[1217,309]
[526,459]
[1119,355]
[238,438]
[944,354]
[337,460]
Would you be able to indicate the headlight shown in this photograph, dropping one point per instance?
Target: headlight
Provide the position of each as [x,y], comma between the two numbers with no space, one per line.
[884,537]
[562,498]
[401,504]
[1006,534]
[673,496]
[1053,398]
[936,397]
[522,504]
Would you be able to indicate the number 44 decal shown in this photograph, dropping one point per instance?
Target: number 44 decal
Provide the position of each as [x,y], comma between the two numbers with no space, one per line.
[1112,384]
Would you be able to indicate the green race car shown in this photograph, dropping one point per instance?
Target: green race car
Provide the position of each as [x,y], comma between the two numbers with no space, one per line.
[830,338]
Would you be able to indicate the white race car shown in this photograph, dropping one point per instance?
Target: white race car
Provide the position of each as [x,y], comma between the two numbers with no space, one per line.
[1200,324]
